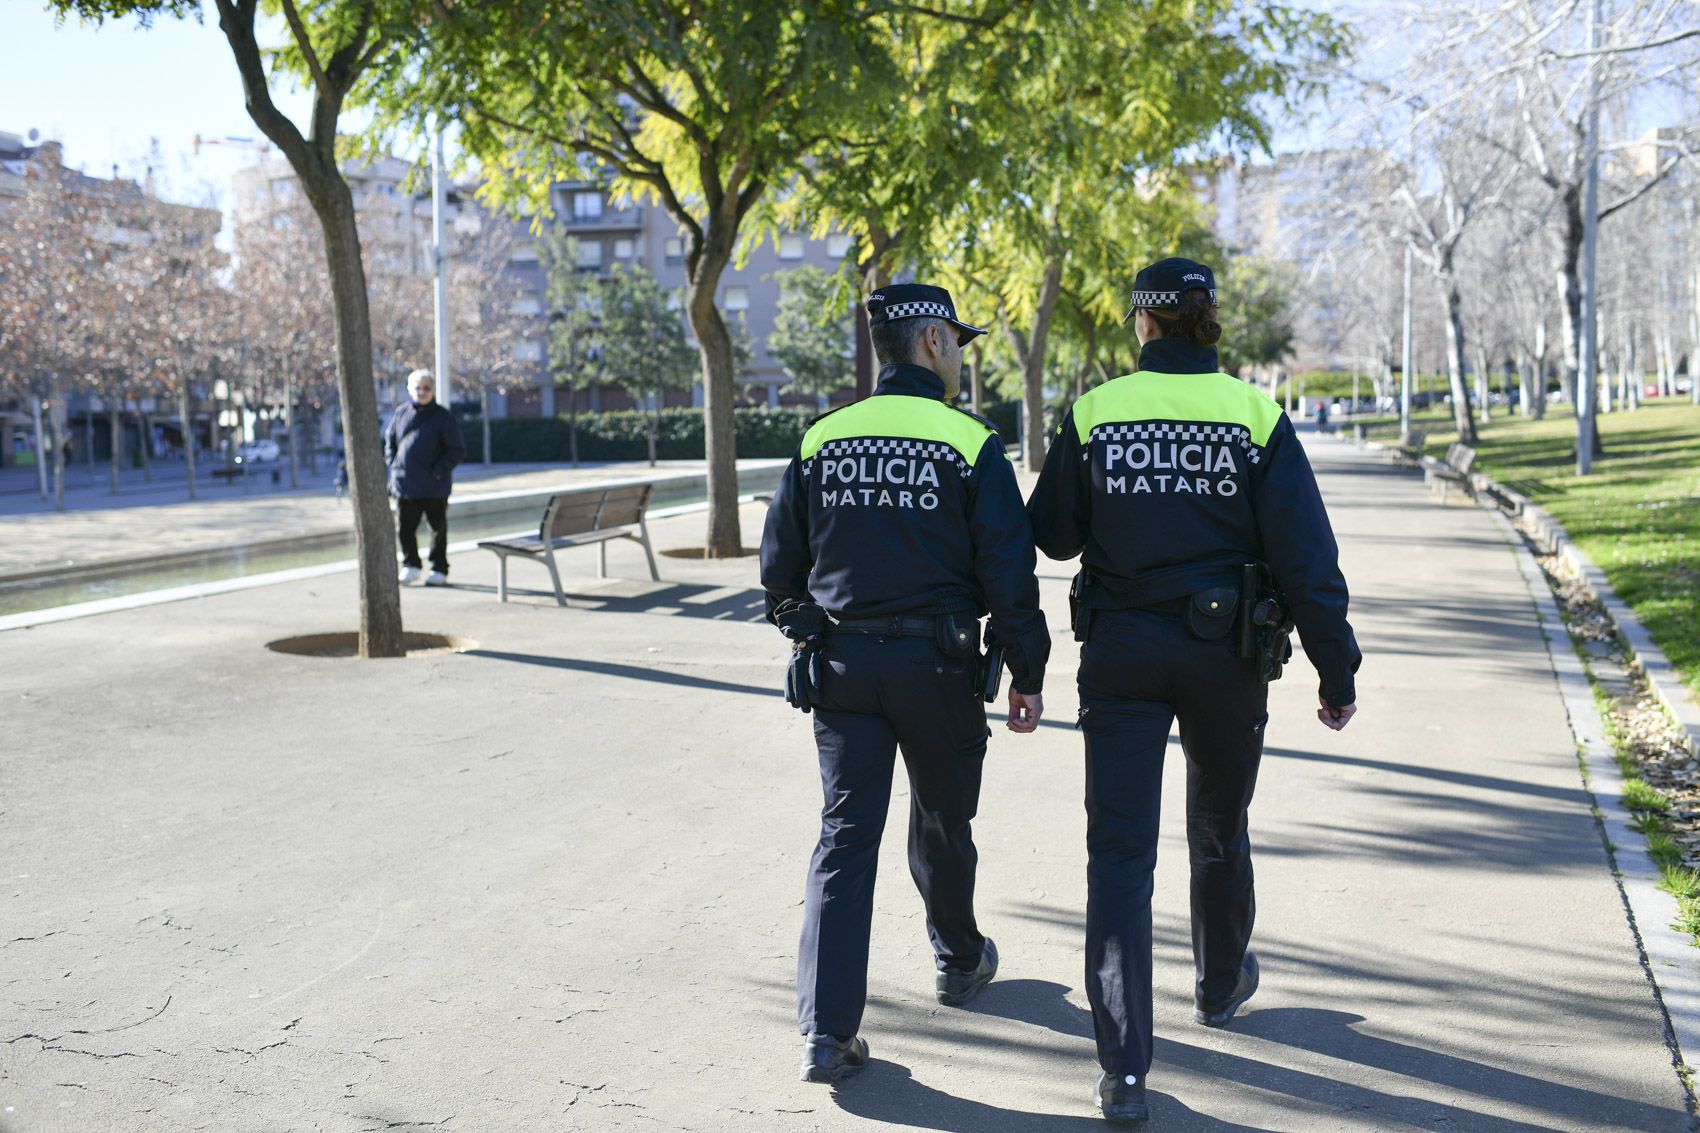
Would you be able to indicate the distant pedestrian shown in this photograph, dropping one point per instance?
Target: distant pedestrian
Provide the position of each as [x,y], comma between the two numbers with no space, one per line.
[421,448]
[1321,416]
[1202,539]
[341,477]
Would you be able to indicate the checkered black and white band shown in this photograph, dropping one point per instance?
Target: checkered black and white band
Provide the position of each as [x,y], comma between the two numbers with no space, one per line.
[890,446]
[1162,298]
[1175,431]
[920,308]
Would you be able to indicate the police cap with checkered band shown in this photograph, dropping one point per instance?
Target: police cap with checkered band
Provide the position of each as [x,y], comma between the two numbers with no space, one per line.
[918,301]
[1160,286]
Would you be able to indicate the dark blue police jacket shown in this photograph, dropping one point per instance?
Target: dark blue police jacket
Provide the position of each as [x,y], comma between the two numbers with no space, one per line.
[1167,480]
[421,448]
[903,505]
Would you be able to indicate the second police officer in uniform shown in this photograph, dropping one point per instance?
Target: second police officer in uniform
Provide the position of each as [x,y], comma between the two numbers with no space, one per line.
[1200,529]
[896,526]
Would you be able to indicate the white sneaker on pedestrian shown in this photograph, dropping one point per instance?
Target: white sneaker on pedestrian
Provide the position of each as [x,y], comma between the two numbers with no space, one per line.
[410,575]
[436,578]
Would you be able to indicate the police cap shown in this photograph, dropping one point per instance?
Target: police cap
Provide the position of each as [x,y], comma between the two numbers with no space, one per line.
[1160,286]
[918,301]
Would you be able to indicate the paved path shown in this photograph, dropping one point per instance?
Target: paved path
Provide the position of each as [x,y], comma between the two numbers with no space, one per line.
[555,883]
[139,523]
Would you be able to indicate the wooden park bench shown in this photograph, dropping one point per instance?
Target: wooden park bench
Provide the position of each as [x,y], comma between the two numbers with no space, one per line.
[1460,458]
[577,519]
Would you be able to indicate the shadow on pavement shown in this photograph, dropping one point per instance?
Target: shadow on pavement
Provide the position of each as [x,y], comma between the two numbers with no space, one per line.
[629,672]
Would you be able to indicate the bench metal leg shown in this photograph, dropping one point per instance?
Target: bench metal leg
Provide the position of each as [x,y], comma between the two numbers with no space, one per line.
[555,577]
[502,578]
[648,551]
[602,559]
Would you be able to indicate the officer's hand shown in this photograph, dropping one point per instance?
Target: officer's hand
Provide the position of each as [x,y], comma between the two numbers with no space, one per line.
[802,676]
[1335,718]
[1025,710]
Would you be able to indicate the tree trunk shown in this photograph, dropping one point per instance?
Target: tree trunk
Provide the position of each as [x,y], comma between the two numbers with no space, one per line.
[1481,359]
[144,428]
[572,425]
[56,417]
[115,433]
[183,411]
[40,445]
[1462,415]
[977,393]
[374,526]
[1033,368]
[874,276]
[719,392]
[484,418]
[654,428]
[289,423]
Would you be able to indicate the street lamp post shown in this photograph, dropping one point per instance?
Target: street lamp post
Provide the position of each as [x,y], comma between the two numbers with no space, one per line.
[439,288]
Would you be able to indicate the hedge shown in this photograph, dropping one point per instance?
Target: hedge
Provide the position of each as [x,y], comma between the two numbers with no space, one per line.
[623,435]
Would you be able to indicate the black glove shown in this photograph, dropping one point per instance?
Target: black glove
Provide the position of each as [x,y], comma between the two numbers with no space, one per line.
[802,676]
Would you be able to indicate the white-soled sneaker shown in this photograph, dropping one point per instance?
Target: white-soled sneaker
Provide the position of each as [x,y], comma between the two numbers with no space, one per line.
[410,575]
[436,578]
[1121,1099]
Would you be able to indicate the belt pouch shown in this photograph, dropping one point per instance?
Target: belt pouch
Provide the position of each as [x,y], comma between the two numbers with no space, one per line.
[957,636]
[1210,614]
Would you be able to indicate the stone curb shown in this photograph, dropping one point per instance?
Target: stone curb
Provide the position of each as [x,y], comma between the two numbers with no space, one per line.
[1671,960]
[1662,676]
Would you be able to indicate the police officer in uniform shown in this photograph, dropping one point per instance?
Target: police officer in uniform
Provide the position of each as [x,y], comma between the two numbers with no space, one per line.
[896,527]
[1202,539]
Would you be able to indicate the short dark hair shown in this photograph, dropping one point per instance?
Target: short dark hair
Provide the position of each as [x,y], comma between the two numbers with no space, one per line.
[900,341]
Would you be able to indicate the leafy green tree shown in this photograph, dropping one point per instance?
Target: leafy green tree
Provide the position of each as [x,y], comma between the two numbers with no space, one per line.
[573,299]
[1257,301]
[701,107]
[811,334]
[335,47]
[1087,178]
[643,342]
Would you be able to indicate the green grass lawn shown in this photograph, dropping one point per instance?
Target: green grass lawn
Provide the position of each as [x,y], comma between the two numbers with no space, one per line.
[1637,516]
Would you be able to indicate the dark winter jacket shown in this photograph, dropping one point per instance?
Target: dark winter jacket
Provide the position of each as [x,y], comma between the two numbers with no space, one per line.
[1167,480]
[421,448]
[903,505]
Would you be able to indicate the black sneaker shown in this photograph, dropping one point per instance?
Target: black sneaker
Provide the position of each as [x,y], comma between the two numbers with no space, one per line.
[956,987]
[1218,1014]
[829,1058]
[1122,1099]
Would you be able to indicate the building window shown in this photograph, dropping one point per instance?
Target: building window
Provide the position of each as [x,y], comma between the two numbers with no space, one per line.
[674,249]
[590,254]
[523,254]
[527,305]
[737,298]
[624,249]
[838,245]
[791,247]
[527,351]
[587,206]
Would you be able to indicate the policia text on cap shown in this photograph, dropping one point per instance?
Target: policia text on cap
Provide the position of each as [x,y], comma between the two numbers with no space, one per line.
[1202,539]
[897,526]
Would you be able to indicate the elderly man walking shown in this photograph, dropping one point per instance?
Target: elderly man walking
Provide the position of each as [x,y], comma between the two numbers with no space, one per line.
[421,448]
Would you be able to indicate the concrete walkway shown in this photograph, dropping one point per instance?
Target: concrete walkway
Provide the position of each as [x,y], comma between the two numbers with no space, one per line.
[555,882]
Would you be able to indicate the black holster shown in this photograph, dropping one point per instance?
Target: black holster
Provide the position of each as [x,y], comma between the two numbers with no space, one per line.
[1265,624]
[1079,613]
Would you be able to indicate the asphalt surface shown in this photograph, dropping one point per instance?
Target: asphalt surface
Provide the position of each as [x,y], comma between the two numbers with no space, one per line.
[555,882]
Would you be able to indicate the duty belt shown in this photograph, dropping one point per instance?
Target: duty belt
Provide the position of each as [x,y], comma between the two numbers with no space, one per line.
[895,626]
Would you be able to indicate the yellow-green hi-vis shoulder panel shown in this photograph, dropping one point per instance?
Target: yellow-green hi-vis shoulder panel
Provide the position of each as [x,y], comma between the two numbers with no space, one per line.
[895,415]
[1150,396]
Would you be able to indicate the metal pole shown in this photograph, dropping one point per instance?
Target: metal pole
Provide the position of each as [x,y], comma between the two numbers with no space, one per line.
[439,289]
[1588,378]
[1405,358]
[40,446]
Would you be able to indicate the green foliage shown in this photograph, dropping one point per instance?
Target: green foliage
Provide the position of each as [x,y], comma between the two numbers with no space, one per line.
[1258,312]
[572,300]
[812,332]
[624,436]
[642,341]
[1639,795]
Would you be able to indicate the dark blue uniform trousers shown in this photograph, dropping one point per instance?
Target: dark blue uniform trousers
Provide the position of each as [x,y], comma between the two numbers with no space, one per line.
[878,695]
[1141,670]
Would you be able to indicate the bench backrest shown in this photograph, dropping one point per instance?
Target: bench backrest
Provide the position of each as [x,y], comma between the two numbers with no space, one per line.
[595,509]
[1461,457]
